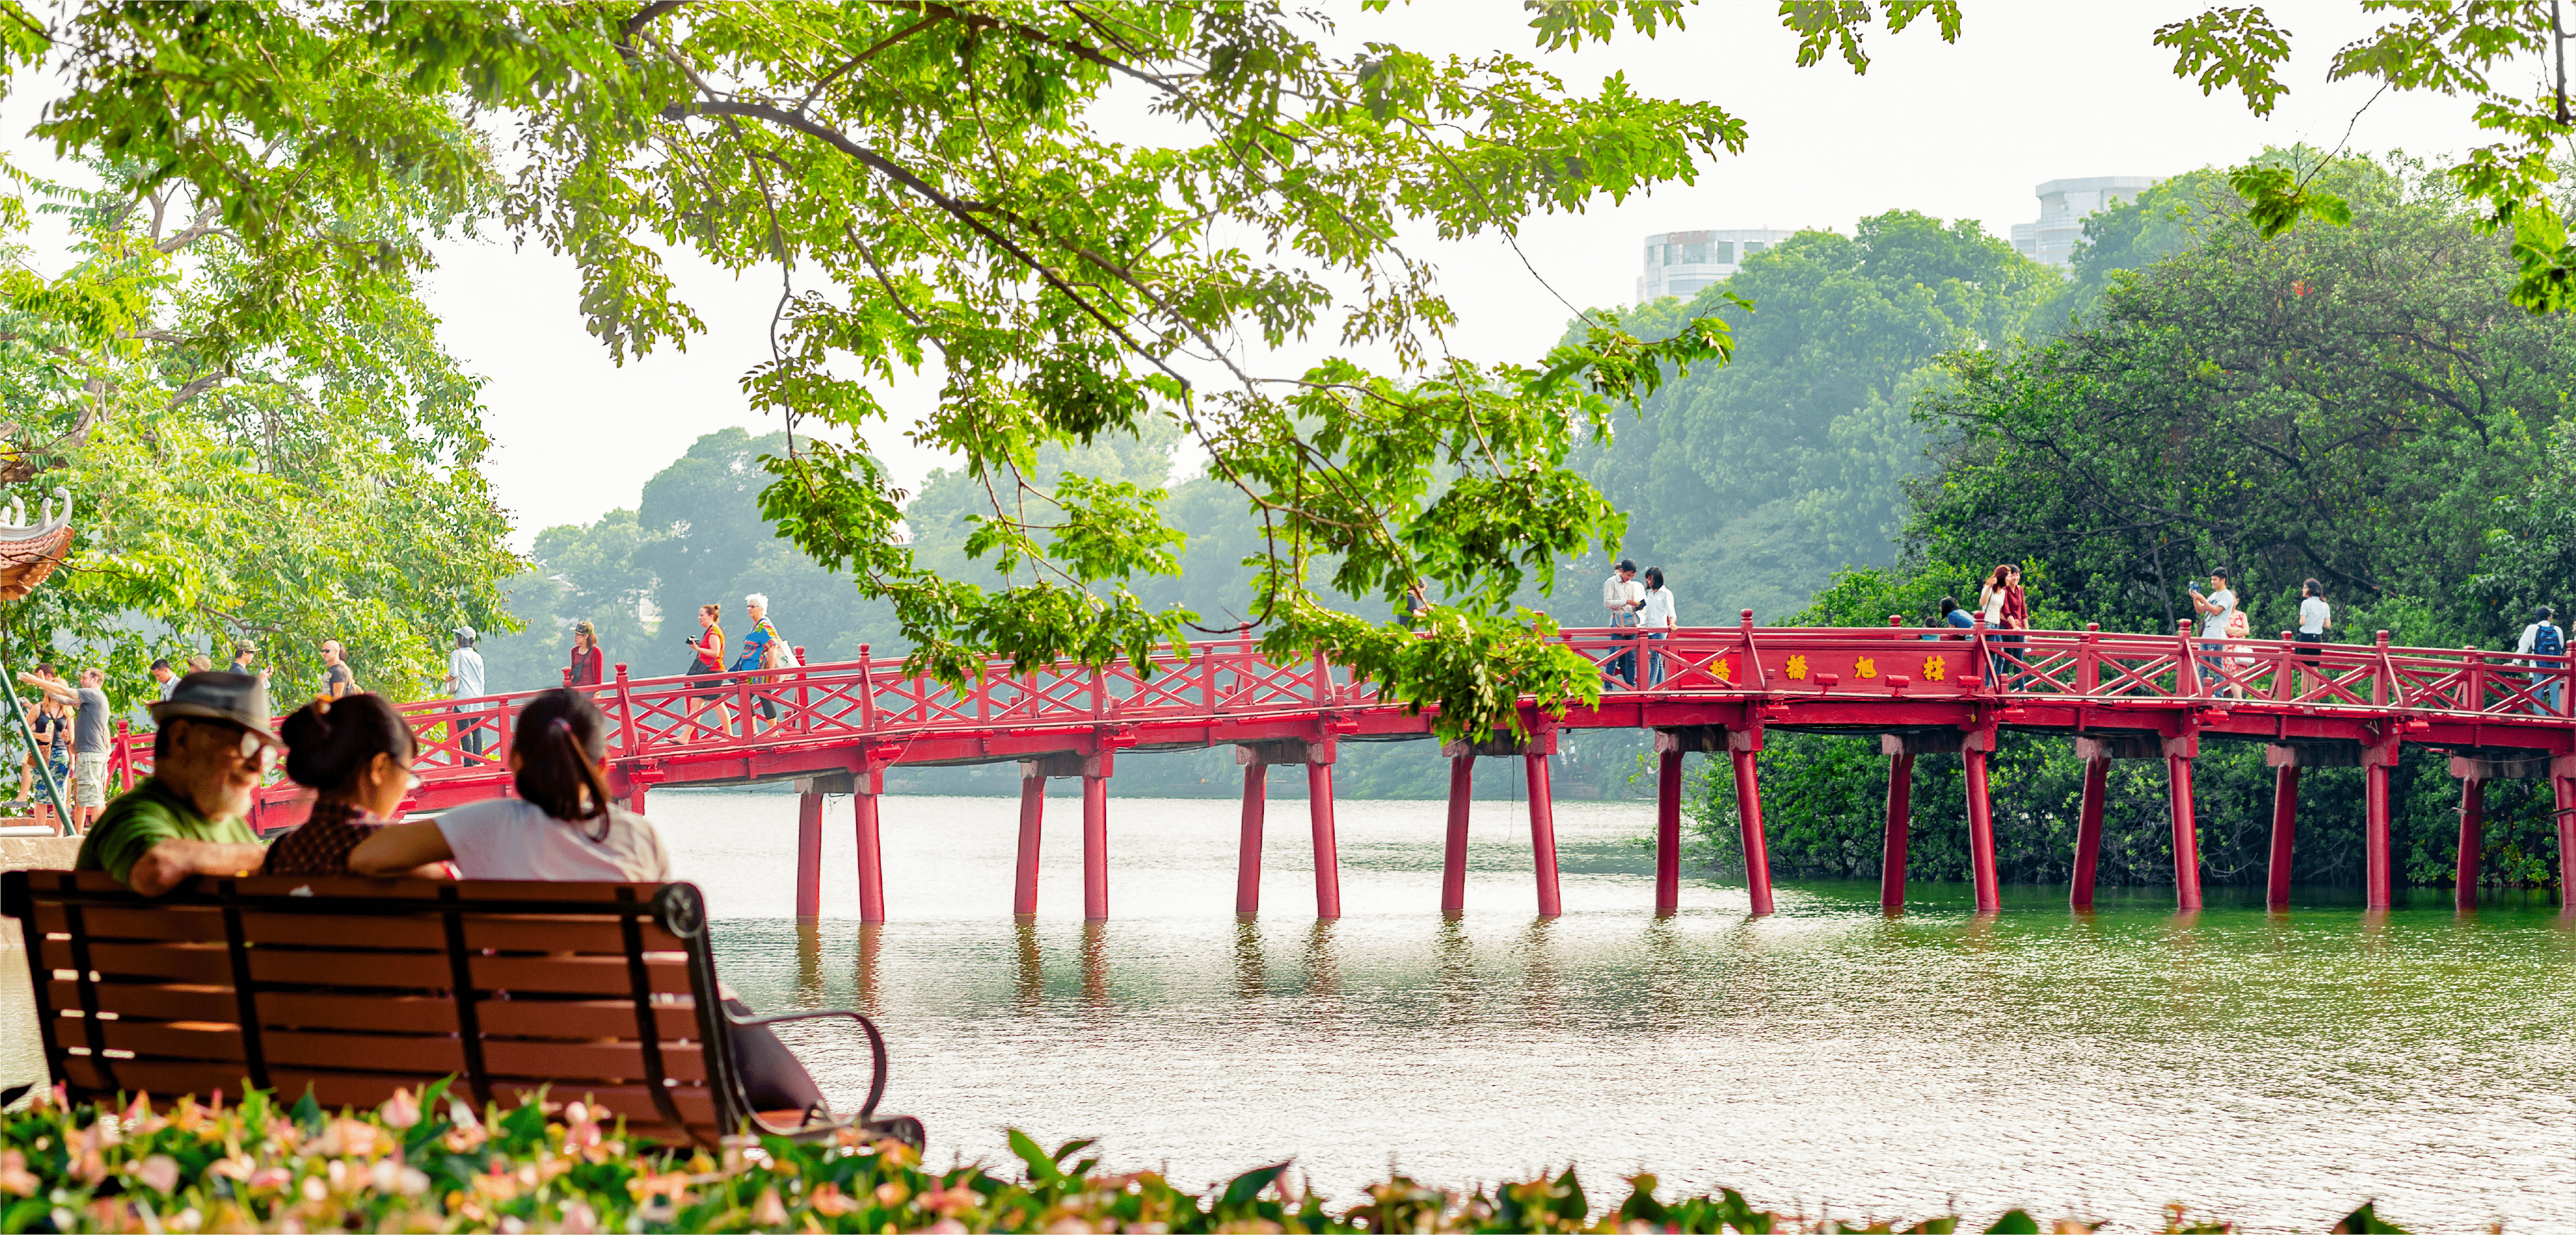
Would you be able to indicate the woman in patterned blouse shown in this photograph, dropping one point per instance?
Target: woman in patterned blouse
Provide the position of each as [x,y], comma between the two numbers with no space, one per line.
[356,754]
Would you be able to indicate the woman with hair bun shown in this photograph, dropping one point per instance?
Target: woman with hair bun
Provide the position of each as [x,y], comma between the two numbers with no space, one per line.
[563,825]
[355,753]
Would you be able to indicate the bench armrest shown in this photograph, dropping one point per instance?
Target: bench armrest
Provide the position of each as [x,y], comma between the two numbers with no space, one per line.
[876,1044]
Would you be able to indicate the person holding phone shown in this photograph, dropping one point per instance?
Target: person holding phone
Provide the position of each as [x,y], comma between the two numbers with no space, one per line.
[2217,609]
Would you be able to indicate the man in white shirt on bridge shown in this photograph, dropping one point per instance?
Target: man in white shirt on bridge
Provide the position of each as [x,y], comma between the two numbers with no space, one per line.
[1622,597]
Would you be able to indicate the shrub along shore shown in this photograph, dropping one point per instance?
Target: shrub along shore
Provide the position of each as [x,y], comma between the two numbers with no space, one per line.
[431,1163]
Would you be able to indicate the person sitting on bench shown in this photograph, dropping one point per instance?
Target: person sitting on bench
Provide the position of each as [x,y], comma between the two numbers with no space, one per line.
[186,819]
[356,754]
[564,825]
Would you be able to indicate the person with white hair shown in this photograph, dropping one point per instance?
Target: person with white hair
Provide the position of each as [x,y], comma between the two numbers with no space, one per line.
[762,649]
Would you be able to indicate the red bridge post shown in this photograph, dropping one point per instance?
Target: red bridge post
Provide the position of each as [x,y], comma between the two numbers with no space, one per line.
[1024,888]
[1981,827]
[2378,875]
[1247,868]
[809,852]
[2562,786]
[1900,831]
[1095,843]
[866,784]
[2285,830]
[1742,745]
[2088,833]
[1319,812]
[1542,814]
[1668,831]
[2186,826]
[1453,855]
[2473,804]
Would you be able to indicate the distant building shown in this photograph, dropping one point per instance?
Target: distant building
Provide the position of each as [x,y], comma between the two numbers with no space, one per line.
[1681,263]
[2062,206]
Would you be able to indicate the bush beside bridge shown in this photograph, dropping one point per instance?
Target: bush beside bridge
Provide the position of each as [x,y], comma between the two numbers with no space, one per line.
[432,1164]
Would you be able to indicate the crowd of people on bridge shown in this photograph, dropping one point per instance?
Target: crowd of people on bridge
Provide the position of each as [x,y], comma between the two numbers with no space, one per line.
[1634,599]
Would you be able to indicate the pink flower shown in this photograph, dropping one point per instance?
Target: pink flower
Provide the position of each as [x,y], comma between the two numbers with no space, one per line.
[14,1175]
[400,1110]
[160,1172]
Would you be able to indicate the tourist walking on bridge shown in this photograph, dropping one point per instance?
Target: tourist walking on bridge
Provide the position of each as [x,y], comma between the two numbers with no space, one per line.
[2546,642]
[1622,599]
[585,654]
[89,723]
[465,681]
[164,677]
[337,681]
[1659,619]
[2315,615]
[707,672]
[761,649]
[2216,609]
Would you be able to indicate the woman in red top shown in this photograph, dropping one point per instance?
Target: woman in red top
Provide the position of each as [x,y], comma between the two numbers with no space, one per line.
[708,672]
[585,655]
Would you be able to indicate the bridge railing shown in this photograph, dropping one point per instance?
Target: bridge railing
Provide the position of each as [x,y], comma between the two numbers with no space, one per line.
[845,702]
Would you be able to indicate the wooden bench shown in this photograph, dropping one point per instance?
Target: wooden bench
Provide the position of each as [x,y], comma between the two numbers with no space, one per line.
[352,988]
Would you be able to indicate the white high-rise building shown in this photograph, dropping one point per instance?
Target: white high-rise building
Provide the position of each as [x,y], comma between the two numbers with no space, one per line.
[2062,206]
[1681,263]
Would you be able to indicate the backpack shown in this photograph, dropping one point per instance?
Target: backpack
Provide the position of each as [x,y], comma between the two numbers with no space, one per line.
[2548,640]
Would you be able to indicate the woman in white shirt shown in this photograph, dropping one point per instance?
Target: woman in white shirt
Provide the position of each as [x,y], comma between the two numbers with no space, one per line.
[565,825]
[1657,617]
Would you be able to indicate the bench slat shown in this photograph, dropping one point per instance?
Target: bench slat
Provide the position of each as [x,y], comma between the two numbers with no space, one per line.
[118,922]
[290,1048]
[324,1011]
[588,1018]
[180,1040]
[668,973]
[210,964]
[566,1060]
[291,967]
[554,933]
[136,1000]
[344,930]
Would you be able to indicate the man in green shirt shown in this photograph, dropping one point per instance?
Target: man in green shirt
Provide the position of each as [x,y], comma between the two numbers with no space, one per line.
[212,747]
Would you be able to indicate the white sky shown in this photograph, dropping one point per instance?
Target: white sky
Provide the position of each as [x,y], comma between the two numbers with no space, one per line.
[2031,92]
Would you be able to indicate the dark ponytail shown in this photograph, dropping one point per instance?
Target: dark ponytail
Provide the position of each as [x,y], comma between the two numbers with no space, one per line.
[560,742]
[331,742]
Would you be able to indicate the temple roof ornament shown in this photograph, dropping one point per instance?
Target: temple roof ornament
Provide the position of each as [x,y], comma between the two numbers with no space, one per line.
[31,551]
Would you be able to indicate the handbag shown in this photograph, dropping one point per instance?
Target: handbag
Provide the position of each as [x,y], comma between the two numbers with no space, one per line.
[778,655]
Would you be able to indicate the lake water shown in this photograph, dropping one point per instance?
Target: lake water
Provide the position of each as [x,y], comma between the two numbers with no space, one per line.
[2274,1069]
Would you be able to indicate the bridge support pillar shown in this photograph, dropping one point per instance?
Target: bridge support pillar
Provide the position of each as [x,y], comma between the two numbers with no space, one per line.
[1328,861]
[1024,886]
[2285,836]
[809,854]
[1247,862]
[1542,814]
[2473,837]
[1900,833]
[2186,829]
[1095,847]
[1981,833]
[2088,836]
[1453,856]
[1668,833]
[863,802]
[2379,876]
[2562,784]
[1317,756]
[1743,746]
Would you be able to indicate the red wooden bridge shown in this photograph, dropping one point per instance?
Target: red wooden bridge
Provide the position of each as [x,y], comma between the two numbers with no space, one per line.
[835,728]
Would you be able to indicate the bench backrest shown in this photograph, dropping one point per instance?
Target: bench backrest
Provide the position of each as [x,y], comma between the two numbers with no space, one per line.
[352,988]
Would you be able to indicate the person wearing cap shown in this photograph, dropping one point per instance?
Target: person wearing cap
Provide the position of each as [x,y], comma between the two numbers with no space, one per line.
[465,681]
[585,655]
[187,818]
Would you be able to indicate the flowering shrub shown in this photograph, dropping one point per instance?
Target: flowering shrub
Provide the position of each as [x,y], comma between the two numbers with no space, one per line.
[431,1163]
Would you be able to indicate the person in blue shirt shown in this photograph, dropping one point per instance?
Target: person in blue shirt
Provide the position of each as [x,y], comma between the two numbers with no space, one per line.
[1953,615]
[760,650]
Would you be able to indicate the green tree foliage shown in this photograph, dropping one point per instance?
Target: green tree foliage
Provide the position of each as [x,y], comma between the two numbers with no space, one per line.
[2343,403]
[1750,484]
[696,537]
[940,183]
[267,447]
